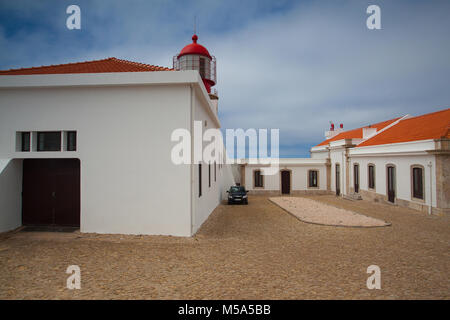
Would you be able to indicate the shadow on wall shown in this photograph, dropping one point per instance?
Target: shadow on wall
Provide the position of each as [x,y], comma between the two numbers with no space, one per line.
[228,180]
[10,194]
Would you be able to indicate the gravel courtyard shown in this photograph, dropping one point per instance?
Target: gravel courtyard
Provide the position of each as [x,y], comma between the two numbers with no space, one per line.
[242,252]
[312,211]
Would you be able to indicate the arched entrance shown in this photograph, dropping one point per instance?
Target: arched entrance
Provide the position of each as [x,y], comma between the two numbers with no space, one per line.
[391,183]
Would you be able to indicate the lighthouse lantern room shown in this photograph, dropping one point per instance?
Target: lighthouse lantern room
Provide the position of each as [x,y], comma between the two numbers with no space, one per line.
[194,56]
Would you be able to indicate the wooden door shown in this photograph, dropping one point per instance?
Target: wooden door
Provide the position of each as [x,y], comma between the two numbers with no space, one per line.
[37,202]
[51,192]
[285,182]
[391,184]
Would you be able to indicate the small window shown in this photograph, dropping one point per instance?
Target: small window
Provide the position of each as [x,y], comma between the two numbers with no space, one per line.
[71,140]
[418,183]
[371,176]
[209,174]
[25,136]
[215,172]
[258,179]
[49,141]
[312,180]
[199,180]
[356,177]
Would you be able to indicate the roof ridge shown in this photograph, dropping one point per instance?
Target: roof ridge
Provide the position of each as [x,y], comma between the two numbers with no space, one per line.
[371,125]
[427,114]
[374,124]
[57,65]
[138,63]
[433,125]
[45,67]
[356,130]
[396,121]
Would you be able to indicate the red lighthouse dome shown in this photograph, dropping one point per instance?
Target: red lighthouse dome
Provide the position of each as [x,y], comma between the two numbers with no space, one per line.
[194,56]
[194,48]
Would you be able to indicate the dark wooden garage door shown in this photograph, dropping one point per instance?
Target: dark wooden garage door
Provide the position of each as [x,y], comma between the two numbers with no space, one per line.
[51,192]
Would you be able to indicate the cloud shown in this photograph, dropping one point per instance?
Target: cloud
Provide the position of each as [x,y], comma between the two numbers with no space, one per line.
[320,63]
[292,65]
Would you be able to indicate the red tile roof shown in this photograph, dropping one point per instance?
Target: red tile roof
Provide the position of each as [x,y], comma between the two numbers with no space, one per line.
[434,125]
[95,66]
[357,133]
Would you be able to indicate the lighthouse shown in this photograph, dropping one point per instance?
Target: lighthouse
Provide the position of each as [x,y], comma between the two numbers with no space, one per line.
[194,56]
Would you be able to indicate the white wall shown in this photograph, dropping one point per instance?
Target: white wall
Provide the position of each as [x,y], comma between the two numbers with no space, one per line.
[403,174]
[320,155]
[337,157]
[10,194]
[229,178]
[128,182]
[211,195]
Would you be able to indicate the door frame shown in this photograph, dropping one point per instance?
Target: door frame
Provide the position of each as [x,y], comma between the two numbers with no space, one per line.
[390,165]
[281,180]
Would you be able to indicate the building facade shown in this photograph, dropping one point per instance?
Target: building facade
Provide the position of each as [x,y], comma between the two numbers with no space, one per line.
[295,176]
[89,145]
[403,161]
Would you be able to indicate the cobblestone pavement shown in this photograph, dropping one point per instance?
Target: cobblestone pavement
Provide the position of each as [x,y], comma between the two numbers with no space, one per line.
[242,252]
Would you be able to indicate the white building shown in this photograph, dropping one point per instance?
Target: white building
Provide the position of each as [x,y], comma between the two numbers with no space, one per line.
[296,176]
[89,144]
[403,161]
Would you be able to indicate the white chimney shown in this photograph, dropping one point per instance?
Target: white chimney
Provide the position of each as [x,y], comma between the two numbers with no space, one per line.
[368,132]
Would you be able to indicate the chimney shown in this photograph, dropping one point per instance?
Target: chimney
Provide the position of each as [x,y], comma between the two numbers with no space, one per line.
[368,132]
[332,132]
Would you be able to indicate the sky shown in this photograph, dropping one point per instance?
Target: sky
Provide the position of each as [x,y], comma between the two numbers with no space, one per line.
[288,65]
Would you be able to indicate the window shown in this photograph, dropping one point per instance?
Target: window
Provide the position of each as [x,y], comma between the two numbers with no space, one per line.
[199,180]
[49,141]
[71,137]
[236,188]
[25,136]
[371,176]
[258,179]
[313,179]
[356,177]
[417,175]
[209,174]
[215,171]
[202,67]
